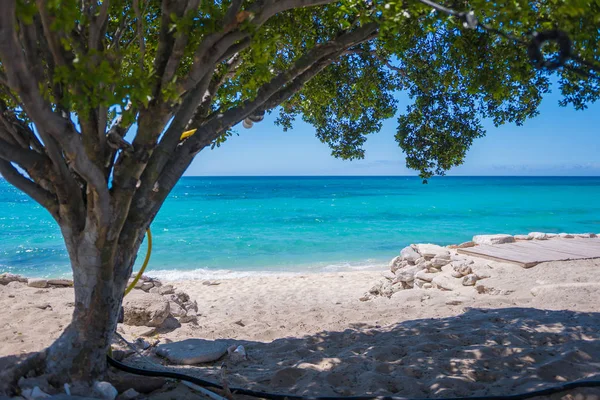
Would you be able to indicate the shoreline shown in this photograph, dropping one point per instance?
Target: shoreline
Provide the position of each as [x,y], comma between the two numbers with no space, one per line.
[199,274]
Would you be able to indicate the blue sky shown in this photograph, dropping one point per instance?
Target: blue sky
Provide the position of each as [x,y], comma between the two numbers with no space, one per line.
[559,141]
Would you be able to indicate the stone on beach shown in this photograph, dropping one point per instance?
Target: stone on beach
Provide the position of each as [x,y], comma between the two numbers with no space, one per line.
[145,309]
[105,390]
[192,351]
[396,264]
[446,282]
[407,274]
[469,280]
[565,235]
[425,276]
[7,278]
[440,260]
[493,239]
[176,309]
[37,283]
[585,235]
[538,235]
[166,289]
[409,254]
[465,245]
[429,251]
[60,282]
[419,283]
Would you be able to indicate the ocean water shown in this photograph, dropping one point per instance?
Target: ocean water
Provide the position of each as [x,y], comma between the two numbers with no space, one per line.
[236,226]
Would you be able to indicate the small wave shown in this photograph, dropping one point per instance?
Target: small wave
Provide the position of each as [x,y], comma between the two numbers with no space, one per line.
[206,274]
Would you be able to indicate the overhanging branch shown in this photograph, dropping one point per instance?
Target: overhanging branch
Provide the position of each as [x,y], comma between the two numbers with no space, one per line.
[36,192]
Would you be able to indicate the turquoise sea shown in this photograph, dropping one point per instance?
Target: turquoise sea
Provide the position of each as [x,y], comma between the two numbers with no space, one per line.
[234,226]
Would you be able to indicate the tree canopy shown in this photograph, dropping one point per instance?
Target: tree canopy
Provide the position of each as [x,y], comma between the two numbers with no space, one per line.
[75,76]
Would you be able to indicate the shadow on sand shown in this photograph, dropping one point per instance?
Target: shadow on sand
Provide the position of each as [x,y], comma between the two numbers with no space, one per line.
[478,353]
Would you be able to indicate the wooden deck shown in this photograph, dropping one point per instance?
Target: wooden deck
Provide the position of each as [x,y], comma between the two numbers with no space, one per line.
[531,252]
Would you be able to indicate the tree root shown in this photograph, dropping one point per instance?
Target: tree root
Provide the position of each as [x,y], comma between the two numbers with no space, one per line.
[16,366]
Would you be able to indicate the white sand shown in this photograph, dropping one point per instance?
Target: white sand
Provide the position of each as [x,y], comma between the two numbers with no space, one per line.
[310,334]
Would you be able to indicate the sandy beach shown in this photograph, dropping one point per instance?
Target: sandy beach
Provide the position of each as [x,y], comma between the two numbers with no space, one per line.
[317,333]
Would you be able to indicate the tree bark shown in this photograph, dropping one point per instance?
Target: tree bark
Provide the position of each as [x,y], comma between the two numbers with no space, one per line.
[100,274]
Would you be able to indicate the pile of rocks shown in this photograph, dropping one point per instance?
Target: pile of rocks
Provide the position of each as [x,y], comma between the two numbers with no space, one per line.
[146,284]
[156,305]
[151,304]
[426,266]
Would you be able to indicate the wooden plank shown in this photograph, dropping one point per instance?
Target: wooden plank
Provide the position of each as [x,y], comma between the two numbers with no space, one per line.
[499,259]
[530,253]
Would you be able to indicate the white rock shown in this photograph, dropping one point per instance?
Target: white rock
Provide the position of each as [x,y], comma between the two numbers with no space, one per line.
[396,264]
[34,394]
[409,254]
[585,235]
[37,283]
[129,394]
[190,306]
[425,276]
[176,309]
[538,235]
[192,351]
[430,251]
[551,235]
[6,278]
[145,309]
[188,318]
[105,390]
[469,280]
[407,274]
[60,282]
[146,286]
[421,260]
[438,262]
[237,353]
[166,289]
[456,274]
[427,286]
[445,282]
[522,237]
[419,283]
[463,270]
[565,235]
[493,239]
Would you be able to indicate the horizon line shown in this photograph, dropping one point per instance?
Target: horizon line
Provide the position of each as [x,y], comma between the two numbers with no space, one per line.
[390,176]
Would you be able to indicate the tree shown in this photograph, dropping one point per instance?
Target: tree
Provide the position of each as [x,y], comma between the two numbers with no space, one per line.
[77,76]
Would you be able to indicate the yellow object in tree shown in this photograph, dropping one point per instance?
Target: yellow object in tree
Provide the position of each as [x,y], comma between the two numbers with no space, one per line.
[187,134]
[139,274]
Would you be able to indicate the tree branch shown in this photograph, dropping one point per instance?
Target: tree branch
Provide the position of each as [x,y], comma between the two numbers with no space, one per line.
[98,26]
[153,192]
[181,42]
[50,125]
[36,192]
[25,158]
[139,22]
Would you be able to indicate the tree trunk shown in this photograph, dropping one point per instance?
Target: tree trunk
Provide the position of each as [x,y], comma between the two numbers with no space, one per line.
[100,274]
